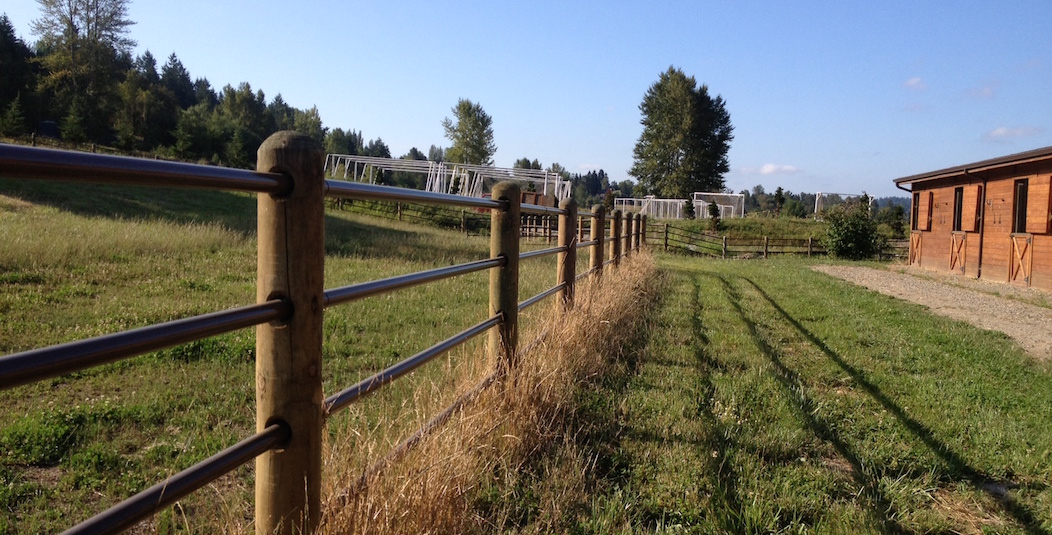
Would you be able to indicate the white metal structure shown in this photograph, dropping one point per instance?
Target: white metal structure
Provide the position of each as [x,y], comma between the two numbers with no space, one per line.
[844,197]
[731,204]
[441,176]
[652,207]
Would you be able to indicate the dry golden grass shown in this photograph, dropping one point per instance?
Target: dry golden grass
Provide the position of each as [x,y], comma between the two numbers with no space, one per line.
[431,487]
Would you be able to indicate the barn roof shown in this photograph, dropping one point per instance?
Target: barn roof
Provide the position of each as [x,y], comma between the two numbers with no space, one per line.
[984,165]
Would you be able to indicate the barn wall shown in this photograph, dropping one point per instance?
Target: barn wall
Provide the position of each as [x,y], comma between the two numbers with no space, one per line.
[989,213]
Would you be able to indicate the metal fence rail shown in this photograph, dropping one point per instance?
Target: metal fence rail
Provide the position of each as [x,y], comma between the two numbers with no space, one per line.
[290,301]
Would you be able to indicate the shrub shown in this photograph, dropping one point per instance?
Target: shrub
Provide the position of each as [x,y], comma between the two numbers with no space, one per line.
[851,233]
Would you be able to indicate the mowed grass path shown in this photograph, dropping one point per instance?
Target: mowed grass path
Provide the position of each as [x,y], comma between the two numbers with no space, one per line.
[771,398]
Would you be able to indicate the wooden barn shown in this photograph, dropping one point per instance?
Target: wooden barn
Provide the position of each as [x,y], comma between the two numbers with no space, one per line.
[987,219]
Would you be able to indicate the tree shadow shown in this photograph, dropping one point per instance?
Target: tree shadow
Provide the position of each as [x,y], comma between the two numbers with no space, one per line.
[976,478]
[881,509]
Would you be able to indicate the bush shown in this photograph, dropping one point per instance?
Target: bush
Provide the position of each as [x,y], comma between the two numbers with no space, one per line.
[851,233]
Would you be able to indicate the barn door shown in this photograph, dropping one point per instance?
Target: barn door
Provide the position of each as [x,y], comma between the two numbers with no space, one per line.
[958,250]
[1022,260]
[915,247]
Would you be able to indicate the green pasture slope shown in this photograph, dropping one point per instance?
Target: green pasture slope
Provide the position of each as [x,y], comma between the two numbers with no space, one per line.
[771,398]
[85,260]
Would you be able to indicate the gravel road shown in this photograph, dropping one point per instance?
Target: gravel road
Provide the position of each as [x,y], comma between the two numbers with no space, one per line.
[987,305]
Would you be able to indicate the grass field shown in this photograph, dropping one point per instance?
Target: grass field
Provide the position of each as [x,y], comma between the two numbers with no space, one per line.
[771,398]
[79,261]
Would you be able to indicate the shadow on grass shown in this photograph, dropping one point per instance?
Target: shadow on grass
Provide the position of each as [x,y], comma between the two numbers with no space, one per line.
[726,494]
[956,463]
[881,508]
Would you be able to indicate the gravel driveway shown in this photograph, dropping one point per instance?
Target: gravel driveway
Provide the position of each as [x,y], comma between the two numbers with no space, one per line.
[981,303]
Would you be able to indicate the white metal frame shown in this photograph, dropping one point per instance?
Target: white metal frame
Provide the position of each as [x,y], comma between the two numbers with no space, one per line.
[441,176]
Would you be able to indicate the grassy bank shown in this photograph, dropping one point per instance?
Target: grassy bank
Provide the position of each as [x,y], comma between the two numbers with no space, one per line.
[80,261]
[771,398]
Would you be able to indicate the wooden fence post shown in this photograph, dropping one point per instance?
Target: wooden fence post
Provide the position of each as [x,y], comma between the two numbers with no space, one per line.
[291,266]
[615,237]
[595,255]
[566,263]
[504,281]
[724,247]
[643,232]
[765,246]
[628,233]
[666,237]
[809,247]
[637,235]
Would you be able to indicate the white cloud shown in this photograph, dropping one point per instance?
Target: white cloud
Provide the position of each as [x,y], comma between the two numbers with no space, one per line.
[775,169]
[770,169]
[1007,133]
[916,84]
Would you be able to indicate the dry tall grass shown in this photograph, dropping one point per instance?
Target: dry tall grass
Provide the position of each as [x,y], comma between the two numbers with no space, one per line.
[433,487]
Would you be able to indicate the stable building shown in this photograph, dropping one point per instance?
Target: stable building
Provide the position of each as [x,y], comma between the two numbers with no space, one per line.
[987,219]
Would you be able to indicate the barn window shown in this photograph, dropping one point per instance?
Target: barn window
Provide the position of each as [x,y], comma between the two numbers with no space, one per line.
[931,207]
[978,210]
[916,211]
[1019,206]
[958,208]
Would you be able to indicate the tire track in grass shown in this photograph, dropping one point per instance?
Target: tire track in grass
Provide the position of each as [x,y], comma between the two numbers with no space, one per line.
[678,448]
[880,507]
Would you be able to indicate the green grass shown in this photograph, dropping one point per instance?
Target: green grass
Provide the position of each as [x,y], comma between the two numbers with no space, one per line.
[771,398]
[758,227]
[81,261]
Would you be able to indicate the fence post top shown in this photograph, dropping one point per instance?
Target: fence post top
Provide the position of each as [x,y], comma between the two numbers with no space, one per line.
[598,209]
[506,191]
[568,204]
[615,213]
[292,154]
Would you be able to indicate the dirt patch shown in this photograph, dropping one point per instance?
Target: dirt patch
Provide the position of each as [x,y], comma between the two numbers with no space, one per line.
[980,303]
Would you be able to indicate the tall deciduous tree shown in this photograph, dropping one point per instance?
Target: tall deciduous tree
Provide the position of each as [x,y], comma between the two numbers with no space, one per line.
[471,133]
[685,140]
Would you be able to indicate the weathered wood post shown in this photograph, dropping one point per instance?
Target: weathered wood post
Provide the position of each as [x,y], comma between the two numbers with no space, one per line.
[464,221]
[399,210]
[615,237]
[765,241]
[504,281]
[643,229]
[566,263]
[595,255]
[724,247]
[666,237]
[637,235]
[290,266]
[809,247]
[628,233]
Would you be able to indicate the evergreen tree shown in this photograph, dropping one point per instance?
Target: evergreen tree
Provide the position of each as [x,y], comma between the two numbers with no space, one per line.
[176,79]
[15,57]
[685,140]
[13,122]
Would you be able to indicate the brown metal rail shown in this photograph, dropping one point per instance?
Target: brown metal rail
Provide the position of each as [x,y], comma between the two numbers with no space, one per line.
[51,164]
[126,513]
[341,400]
[38,364]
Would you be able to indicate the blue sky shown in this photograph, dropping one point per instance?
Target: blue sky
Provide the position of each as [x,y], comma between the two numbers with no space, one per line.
[824,96]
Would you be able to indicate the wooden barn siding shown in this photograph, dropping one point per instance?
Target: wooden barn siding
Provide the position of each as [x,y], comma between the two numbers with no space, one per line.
[936,241]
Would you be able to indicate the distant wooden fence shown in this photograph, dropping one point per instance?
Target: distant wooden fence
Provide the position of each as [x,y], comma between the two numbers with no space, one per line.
[290,299]
[693,242]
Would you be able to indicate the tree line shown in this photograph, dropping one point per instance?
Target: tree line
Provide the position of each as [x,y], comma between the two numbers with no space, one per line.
[80,82]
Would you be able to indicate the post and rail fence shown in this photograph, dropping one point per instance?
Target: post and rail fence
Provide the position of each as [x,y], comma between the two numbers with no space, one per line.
[291,409]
